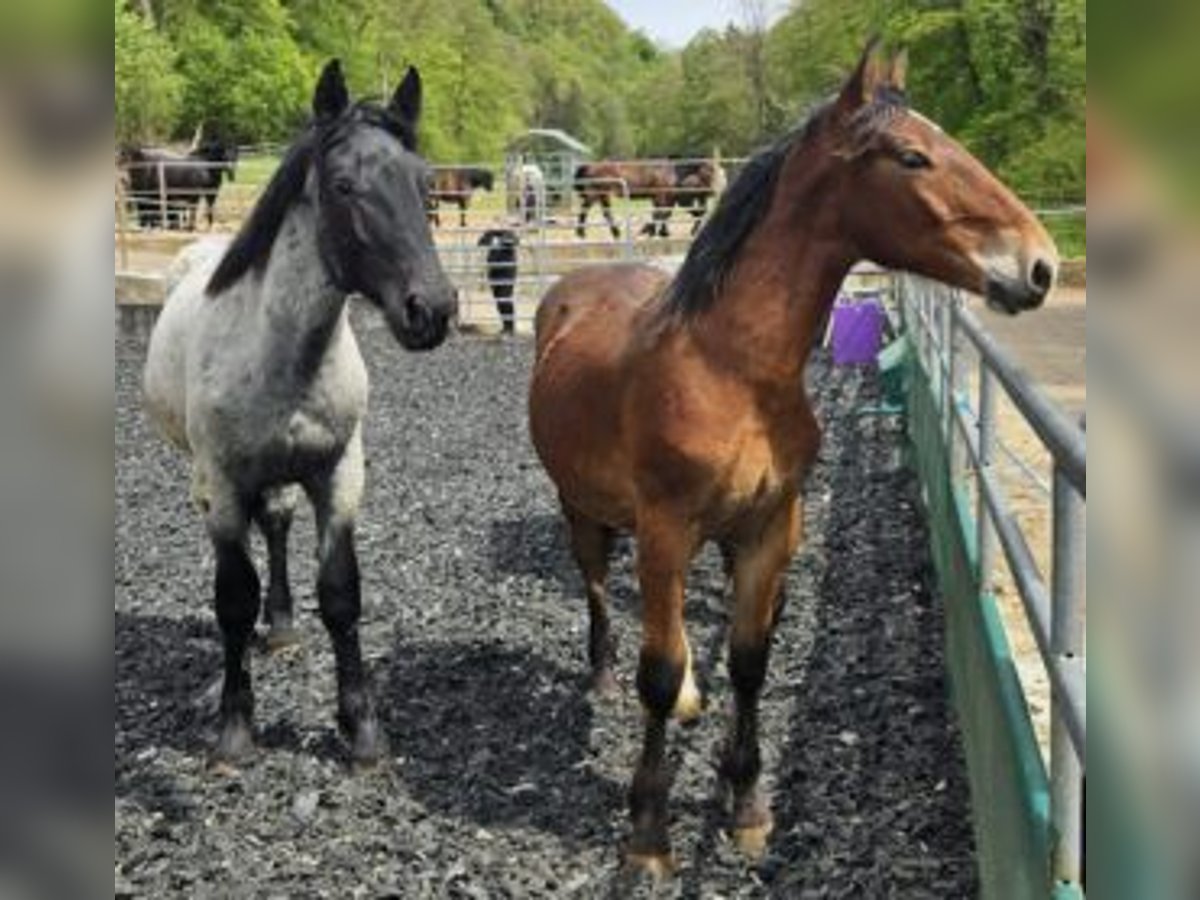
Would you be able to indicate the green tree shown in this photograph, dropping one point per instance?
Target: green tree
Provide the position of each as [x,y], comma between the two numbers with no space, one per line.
[246,76]
[148,90]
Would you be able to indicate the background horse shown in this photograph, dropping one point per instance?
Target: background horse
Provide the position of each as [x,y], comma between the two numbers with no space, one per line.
[677,408]
[253,370]
[526,186]
[599,182]
[186,182]
[455,185]
[697,182]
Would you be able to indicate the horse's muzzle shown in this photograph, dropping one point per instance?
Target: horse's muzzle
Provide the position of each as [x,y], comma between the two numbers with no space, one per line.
[419,324]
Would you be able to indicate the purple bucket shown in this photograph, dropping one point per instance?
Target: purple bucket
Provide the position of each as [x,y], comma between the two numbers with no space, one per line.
[857,331]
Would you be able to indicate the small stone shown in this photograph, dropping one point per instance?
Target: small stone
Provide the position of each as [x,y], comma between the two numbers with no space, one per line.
[305,805]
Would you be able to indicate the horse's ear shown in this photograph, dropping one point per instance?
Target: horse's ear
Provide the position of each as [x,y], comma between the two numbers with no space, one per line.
[860,86]
[898,71]
[331,97]
[406,102]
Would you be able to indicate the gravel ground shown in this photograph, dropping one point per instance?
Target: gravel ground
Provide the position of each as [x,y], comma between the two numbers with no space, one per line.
[505,780]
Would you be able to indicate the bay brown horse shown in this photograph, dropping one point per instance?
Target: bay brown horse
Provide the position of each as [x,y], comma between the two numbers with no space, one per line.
[456,184]
[697,182]
[599,182]
[676,408]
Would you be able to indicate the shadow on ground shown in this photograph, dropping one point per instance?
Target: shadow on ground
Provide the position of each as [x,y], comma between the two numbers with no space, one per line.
[499,736]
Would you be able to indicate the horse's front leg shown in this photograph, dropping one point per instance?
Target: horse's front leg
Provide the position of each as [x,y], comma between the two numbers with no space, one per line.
[760,559]
[237,603]
[335,500]
[665,546]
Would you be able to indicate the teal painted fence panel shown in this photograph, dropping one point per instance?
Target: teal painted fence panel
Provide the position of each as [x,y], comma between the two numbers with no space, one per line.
[1009,786]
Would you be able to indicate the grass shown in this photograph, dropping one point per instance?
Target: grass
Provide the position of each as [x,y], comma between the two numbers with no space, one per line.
[1070,233]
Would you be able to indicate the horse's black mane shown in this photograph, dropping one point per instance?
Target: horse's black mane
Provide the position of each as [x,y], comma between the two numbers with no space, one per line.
[746,201]
[251,248]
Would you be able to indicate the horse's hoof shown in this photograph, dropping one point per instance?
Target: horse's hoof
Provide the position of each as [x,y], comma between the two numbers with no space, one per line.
[752,825]
[367,744]
[604,685]
[689,704]
[751,840]
[281,637]
[235,747]
[656,865]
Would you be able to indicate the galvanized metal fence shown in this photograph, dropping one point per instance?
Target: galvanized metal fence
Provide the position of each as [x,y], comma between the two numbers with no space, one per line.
[942,329]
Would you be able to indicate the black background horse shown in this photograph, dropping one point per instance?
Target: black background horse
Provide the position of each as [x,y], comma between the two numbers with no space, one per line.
[187,182]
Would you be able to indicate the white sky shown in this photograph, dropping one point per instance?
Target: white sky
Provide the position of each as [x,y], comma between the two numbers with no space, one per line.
[675,22]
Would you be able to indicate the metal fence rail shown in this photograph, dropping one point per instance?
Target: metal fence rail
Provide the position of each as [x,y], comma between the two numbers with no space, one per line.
[939,324]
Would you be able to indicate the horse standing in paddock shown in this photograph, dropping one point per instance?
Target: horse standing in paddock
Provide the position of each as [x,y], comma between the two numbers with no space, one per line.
[254,371]
[677,409]
[697,182]
[456,185]
[187,182]
[599,182]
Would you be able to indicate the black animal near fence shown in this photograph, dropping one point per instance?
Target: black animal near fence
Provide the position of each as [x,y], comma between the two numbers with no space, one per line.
[167,190]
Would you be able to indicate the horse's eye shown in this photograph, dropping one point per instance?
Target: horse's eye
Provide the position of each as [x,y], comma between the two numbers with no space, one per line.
[914,159]
[344,186]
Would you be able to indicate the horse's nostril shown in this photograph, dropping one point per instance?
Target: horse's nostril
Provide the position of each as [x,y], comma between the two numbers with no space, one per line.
[1041,276]
[415,313]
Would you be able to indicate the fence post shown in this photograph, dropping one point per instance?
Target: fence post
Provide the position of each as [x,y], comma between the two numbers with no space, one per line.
[122,225]
[986,531]
[162,195]
[628,219]
[1066,640]
[954,346]
[944,357]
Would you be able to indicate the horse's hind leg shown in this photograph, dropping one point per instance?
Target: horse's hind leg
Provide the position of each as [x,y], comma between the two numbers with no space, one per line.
[335,500]
[237,602]
[662,216]
[274,519]
[759,566]
[606,205]
[591,544]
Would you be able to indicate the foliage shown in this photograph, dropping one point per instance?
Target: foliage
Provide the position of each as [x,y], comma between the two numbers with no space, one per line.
[1005,76]
[148,90]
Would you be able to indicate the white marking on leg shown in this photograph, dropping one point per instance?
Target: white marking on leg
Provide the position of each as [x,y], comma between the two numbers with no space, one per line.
[687,703]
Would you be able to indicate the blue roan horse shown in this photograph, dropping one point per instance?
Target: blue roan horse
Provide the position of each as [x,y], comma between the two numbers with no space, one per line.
[253,370]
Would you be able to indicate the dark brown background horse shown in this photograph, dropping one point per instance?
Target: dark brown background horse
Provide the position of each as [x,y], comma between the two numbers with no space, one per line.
[676,408]
[456,184]
[696,183]
[600,182]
